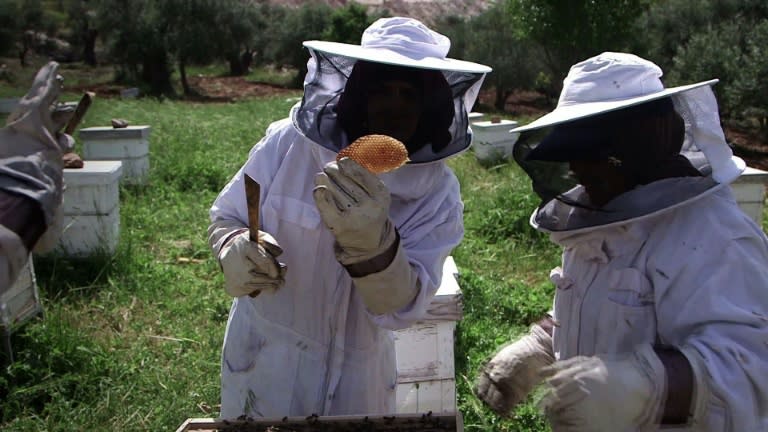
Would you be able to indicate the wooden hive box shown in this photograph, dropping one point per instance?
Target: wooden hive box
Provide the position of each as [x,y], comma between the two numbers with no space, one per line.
[91,209]
[426,378]
[17,305]
[749,190]
[130,145]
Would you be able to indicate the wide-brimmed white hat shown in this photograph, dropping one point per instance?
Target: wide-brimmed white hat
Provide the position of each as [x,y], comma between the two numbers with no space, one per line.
[607,82]
[401,41]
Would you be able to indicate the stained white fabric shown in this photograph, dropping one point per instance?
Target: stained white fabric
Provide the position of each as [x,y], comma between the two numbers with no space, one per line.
[694,277]
[313,346]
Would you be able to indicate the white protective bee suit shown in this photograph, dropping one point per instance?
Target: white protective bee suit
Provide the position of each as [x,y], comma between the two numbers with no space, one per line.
[312,346]
[671,263]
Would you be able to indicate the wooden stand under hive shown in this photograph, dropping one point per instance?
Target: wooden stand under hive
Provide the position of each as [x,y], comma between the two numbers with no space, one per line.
[360,423]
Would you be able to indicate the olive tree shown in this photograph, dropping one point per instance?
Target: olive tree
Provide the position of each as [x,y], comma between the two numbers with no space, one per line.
[568,32]
[289,28]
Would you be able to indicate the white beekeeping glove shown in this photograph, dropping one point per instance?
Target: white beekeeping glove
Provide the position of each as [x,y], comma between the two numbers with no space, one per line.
[249,267]
[606,393]
[354,205]
[514,371]
[31,146]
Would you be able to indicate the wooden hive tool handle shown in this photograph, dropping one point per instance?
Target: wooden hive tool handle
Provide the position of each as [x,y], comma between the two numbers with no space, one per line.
[252,197]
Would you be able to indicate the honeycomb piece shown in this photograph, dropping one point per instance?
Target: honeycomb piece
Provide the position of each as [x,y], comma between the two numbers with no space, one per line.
[376,153]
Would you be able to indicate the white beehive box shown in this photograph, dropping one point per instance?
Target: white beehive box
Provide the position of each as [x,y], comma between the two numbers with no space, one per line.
[475,116]
[20,303]
[91,208]
[749,190]
[425,362]
[492,141]
[129,145]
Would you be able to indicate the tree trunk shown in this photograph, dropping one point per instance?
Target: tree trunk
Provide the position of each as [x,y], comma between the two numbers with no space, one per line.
[235,65]
[183,76]
[157,74]
[26,43]
[89,47]
[245,60]
[501,98]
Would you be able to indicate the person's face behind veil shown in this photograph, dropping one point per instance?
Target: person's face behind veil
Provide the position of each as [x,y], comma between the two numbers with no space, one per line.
[394,107]
[413,105]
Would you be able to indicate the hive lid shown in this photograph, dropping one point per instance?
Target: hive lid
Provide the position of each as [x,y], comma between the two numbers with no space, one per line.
[94,173]
[109,132]
[753,175]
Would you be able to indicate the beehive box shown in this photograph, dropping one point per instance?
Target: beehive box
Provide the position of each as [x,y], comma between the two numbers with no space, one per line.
[130,145]
[426,378]
[359,423]
[20,303]
[492,140]
[749,190]
[91,209]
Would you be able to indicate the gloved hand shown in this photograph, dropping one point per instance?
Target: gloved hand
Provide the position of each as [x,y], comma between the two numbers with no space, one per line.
[251,267]
[606,393]
[31,146]
[354,205]
[508,378]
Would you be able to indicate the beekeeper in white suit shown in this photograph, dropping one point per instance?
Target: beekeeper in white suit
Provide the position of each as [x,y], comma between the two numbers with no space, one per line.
[660,316]
[359,254]
[31,174]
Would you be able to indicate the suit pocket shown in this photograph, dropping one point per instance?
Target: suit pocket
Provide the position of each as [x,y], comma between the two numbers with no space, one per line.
[627,315]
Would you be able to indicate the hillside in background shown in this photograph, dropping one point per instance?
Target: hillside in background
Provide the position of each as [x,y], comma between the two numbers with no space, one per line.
[424,10]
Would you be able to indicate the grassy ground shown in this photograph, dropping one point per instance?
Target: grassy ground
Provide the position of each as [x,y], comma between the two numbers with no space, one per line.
[131,342]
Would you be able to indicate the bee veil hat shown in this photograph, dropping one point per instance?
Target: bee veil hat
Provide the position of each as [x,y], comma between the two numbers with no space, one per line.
[612,81]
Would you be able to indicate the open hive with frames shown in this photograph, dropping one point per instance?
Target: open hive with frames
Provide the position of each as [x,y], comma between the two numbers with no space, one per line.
[428,422]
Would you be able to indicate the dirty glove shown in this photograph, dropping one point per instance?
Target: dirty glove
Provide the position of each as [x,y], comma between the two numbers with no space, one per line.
[508,378]
[249,267]
[606,393]
[31,146]
[354,205]
[31,168]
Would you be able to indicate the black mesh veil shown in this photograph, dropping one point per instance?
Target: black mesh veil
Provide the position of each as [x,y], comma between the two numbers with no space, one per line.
[686,172]
[317,117]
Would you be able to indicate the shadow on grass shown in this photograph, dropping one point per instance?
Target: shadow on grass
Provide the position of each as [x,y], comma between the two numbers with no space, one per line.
[61,276]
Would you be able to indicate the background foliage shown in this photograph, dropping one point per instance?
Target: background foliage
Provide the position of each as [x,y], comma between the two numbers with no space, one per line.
[530,43]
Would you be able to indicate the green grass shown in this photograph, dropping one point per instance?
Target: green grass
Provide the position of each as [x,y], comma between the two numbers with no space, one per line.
[132,342]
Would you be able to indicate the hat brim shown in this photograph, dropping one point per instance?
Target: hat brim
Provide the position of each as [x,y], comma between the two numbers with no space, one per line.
[386,56]
[564,114]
